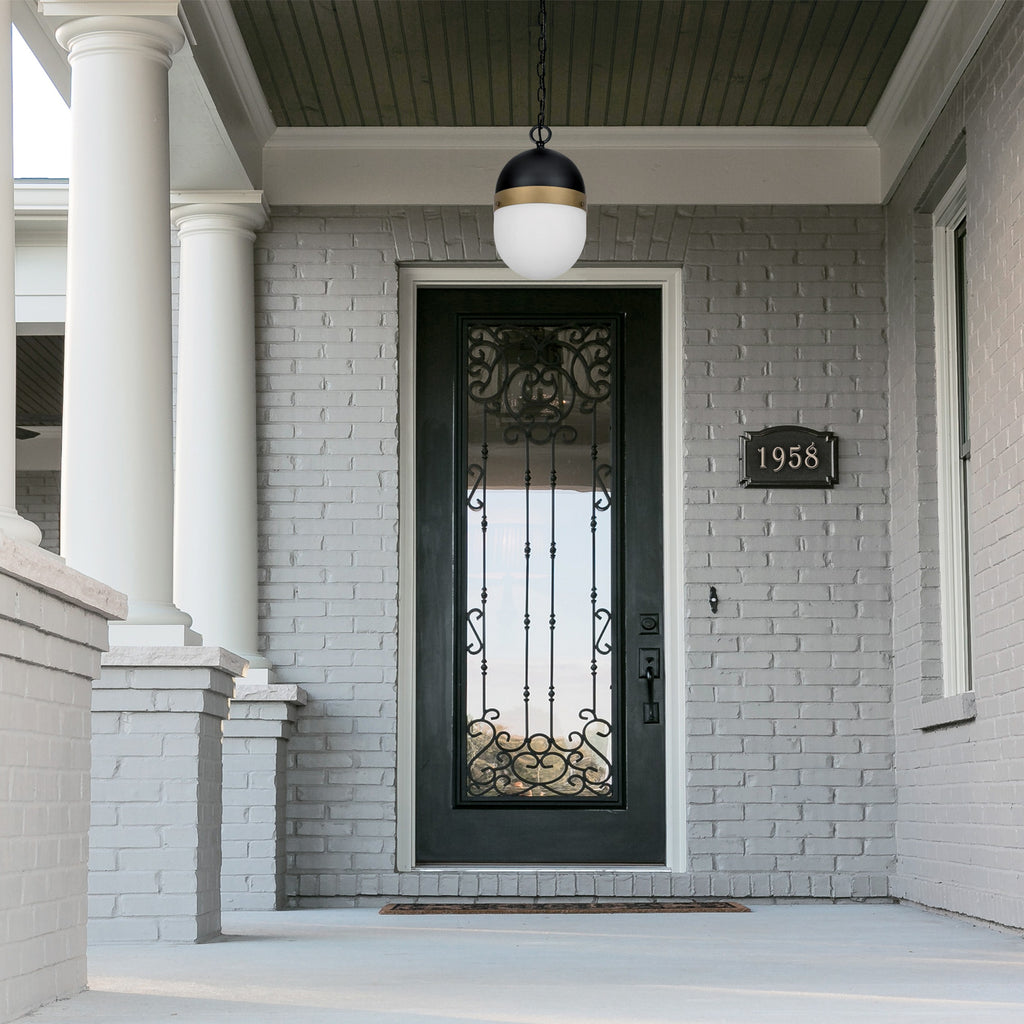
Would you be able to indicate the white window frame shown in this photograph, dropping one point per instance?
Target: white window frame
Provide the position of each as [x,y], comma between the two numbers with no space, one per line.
[954,550]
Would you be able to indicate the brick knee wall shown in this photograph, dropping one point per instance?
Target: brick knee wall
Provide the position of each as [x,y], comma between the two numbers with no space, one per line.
[53,626]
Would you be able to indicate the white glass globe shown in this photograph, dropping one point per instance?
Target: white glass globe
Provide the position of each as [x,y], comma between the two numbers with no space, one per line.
[539,241]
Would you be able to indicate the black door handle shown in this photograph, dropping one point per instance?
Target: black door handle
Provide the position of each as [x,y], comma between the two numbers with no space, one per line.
[652,712]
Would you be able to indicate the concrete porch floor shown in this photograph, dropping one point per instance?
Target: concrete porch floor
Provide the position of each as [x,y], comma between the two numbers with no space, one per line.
[823,964]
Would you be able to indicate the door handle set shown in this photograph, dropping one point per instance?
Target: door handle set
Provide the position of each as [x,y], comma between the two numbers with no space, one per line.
[650,669]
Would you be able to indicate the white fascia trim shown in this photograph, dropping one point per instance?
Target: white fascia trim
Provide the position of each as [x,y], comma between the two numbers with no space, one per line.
[947,36]
[41,213]
[32,196]
[228,196]
[109,8]
[215,21]
[458,166]
[411,277]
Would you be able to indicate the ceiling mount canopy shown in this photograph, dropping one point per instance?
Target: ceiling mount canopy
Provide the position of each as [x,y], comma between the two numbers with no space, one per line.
[540,202]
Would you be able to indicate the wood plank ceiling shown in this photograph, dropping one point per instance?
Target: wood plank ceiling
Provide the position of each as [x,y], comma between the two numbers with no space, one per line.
[40,380]
[407,63]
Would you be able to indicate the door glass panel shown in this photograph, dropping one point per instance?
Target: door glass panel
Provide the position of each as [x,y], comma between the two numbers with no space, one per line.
[538,684]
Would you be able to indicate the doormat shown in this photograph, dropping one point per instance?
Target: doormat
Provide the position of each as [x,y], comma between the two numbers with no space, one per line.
[666,907]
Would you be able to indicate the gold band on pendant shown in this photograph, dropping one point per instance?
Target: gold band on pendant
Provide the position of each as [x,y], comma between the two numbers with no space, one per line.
[540,194]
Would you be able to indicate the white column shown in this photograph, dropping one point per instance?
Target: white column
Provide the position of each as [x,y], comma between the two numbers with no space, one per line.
[215,566]
[116,473]
[11,523]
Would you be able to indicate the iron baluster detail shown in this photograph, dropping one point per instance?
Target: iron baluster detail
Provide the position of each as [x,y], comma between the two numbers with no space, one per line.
[476,618]
[526,590]
[600,501]
[539,384]
[552,618]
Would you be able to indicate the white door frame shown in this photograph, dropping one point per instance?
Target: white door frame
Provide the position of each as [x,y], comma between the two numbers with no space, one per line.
[412,277]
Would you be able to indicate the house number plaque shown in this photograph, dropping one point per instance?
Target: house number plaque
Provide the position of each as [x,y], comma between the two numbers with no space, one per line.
[788,457]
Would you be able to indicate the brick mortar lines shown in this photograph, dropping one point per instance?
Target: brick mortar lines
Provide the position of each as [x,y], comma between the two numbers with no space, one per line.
[784,322]
[959,786]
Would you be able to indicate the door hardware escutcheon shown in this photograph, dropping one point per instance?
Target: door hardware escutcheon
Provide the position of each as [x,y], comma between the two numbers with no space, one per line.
[650,657]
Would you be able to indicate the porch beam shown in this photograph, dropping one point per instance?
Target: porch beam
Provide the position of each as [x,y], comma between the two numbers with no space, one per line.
[385,166]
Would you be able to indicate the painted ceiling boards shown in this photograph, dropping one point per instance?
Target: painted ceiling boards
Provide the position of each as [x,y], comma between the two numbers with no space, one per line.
[40,382]
[402,63]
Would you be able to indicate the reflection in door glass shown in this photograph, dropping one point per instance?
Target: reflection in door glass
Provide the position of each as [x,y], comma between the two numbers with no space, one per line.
[538,700]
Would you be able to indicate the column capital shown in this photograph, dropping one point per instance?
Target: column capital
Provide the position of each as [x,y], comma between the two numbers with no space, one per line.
[157,38]
[214,210]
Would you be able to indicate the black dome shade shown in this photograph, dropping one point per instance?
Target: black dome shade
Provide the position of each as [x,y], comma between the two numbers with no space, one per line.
[540,167]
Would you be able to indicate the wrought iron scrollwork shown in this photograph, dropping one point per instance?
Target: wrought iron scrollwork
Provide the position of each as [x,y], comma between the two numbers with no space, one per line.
[534,378]
[501,764]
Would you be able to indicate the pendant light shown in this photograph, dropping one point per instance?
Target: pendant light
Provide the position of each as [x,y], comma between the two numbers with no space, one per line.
[540,204]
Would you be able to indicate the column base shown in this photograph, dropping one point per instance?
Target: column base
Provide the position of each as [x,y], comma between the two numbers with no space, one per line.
[153,634]
[17,528]
[153,624]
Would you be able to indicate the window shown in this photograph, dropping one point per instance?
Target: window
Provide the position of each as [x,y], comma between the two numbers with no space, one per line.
[954,439]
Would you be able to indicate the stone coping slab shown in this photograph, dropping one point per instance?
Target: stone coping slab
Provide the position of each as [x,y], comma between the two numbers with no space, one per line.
[175,657]
[286,692]
[51,573]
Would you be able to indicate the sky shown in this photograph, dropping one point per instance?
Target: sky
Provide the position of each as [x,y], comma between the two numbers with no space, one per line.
[42,121]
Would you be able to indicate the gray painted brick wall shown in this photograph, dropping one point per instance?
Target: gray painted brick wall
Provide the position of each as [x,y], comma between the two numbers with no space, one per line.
[790,786]
[52,630]
[790,745]
[959,822]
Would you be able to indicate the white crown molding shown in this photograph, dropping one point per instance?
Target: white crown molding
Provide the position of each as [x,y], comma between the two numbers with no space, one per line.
[947,36]
[373,166]
[626,137]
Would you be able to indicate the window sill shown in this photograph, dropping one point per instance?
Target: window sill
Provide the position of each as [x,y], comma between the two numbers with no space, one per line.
[958,707]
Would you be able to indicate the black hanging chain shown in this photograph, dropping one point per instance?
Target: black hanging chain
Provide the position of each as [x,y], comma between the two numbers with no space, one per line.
[540,132]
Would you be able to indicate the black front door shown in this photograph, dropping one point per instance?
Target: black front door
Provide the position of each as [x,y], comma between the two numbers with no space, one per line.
[539,682]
